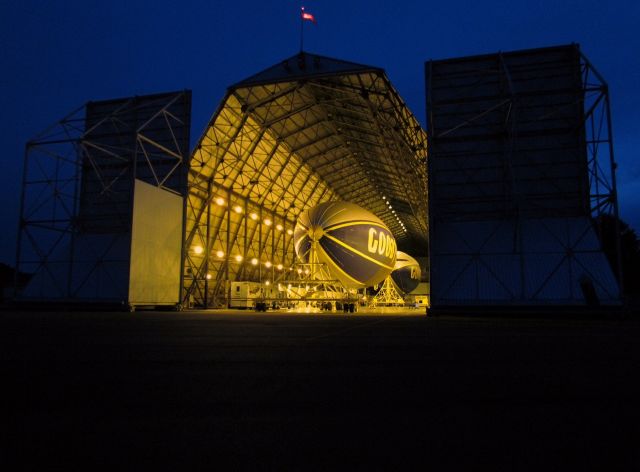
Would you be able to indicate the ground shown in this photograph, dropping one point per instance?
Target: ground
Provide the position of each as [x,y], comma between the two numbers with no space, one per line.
[318,392]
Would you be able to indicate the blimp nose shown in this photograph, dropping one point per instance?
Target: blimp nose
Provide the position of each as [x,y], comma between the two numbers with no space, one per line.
[315,232]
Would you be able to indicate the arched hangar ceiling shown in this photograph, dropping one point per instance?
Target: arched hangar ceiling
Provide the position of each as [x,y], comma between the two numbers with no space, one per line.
[342,123]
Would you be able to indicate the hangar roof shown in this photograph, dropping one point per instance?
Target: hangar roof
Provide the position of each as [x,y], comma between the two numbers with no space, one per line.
[340,124]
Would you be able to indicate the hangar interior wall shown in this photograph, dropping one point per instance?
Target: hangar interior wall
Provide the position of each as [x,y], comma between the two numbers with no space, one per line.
[307,130]
[520,160]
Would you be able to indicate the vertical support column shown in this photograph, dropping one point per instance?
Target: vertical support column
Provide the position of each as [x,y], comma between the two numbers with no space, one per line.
[245,247]
[260,248]
[207,247]
[227,251]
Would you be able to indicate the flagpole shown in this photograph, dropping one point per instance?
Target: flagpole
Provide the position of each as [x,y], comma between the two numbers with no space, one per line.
[301,28]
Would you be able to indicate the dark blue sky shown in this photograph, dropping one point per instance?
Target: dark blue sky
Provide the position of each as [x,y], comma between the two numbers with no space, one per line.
[56,55]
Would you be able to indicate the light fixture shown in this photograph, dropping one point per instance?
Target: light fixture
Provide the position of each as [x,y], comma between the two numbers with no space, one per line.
[267,264]
[267,282]
[279,227]
[253,216]
[198,249]
[220,253]
[267,221]
[239,258]
[279,266]
[254,261]
[289,232]
[237,209]
[220,201]
[209,276]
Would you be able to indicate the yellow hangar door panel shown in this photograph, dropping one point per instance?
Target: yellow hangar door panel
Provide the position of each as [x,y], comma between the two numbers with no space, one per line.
[156,238]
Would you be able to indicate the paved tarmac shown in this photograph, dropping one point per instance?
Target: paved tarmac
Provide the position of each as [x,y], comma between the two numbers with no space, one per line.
[247,391]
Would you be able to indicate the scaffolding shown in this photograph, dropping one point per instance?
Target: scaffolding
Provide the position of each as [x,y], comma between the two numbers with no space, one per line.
[388,295]
[521,160]
[77,203]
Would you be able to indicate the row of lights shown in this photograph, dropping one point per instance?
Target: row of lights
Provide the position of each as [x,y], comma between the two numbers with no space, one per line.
[254,216]
[238,258]
[268,265]
[404,229]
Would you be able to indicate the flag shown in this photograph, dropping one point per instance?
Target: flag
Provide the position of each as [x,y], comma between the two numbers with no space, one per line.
[308,16]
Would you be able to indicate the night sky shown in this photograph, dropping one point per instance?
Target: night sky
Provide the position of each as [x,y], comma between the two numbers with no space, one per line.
[57,55]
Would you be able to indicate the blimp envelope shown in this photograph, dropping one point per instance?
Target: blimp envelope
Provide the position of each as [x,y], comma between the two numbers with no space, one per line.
[357,247]
[406,273]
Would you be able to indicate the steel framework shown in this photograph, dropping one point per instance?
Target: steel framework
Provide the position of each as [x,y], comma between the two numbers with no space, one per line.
[521,159]
[307,130]
[77,192]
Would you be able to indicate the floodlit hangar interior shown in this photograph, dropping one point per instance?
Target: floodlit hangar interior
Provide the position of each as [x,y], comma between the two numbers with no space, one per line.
[307,130]
[116,209]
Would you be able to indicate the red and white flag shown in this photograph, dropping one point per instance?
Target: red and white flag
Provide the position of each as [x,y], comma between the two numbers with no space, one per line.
[308,16]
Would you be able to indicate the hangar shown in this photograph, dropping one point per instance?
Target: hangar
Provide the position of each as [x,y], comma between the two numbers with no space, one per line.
[306,130]
[117,209]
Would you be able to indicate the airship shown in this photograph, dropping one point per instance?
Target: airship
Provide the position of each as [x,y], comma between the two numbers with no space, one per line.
[406,272]
[356,246]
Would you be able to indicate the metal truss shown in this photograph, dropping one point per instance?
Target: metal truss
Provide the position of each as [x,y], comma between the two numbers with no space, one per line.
[521,159]
[308,130]
[388,295]
[77,190]
[599,142]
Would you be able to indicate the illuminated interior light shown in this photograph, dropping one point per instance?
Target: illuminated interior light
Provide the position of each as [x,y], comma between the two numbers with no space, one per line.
[267,222]
[209,276]
[237,209]
[220,201]
[279,266]
[279,227]
[198,249]
[254,261]
[267,264]
[253,216]
[306,271]
[299,271]
[289,232]
[220,253]
[383,197]
[267,282]
[239,258]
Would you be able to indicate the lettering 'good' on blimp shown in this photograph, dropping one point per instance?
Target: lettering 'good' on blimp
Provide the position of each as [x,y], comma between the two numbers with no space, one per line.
[357,247]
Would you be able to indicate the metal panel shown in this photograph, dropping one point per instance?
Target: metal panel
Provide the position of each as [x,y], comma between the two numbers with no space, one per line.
[515,178]
[156,240]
